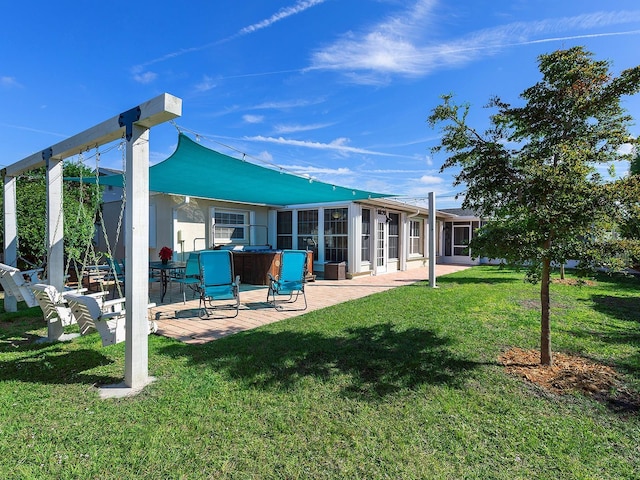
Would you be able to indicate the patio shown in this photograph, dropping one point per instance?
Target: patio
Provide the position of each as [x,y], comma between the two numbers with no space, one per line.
[181,322]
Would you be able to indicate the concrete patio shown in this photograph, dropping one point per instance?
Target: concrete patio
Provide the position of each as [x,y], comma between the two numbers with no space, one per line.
[180,320]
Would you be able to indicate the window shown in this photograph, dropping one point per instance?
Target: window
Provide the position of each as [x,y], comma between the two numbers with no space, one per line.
[415,238]
[394,235]
[336,237]
[229,227]
[285,230]
[365,247]
[448,229]
[308,231]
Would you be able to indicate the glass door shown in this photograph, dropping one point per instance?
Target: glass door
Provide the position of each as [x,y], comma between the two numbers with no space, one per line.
[461,237]
[382,253]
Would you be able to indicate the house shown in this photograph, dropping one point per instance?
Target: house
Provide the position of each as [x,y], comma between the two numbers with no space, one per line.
[202,199]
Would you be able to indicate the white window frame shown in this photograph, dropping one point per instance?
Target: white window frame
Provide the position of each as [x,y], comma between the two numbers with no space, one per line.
[228,240]
[420,227]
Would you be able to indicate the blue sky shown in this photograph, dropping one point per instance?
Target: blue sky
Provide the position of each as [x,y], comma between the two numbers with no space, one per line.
[336,89]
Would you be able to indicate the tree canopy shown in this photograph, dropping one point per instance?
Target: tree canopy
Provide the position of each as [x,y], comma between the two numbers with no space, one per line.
[534,172]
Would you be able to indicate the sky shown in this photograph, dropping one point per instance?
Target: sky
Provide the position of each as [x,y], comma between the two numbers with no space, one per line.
[338,90]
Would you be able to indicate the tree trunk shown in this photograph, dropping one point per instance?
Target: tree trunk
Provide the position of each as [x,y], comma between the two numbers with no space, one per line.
[562,272]
[545,327]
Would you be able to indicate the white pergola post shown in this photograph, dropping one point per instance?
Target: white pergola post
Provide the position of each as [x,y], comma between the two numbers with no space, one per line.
[432,240]
[137,258]
[10,235]
[55,235]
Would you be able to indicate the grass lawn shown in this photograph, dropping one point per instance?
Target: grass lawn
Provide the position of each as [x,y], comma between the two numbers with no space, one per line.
[403,384]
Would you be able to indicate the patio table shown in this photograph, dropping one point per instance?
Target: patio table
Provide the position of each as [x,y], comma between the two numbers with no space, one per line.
[167,270]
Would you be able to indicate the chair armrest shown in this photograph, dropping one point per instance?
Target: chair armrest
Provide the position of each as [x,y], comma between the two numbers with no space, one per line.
[114,302]
[121,301]
[110,315]
[98,294]
[78,290]
[31,272]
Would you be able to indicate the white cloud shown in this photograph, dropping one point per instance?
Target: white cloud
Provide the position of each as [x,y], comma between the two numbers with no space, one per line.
[397,46]
[431,180]
[286,105]
[418,190]
[300,128]
[143,77]
[625,149]
[387,171]
[253,118]
[29,129]
[265,156]
[9,82]
[283,13]
[308,170]
[338,145]
[206,84]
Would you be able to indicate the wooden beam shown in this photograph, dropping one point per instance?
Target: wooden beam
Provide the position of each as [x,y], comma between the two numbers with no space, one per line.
[160,109]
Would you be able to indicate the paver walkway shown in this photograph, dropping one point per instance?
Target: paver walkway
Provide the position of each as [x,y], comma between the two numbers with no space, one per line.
[180,321]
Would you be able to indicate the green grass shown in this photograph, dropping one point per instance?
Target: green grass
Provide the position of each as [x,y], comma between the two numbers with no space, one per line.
[403,384]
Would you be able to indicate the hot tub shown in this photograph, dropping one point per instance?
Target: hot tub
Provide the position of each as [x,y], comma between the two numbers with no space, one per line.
[254,263]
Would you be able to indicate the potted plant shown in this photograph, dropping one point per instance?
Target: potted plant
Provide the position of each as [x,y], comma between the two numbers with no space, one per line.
[165,254]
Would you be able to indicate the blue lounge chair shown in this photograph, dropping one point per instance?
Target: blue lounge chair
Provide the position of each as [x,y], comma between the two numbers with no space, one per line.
[290,280]
[217,280]
[191,276]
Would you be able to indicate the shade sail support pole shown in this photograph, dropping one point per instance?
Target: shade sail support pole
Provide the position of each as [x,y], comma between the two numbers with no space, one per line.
[432,239]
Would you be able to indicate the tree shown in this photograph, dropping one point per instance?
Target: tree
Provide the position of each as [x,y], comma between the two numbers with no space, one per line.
[629,211]
[533,171]
[80,206]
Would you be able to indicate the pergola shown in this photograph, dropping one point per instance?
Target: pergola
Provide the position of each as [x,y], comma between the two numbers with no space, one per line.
[134,124]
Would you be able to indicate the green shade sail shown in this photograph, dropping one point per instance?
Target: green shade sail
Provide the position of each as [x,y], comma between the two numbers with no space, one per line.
[197,171]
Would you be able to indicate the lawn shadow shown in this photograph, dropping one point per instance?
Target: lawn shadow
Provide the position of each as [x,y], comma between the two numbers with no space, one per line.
[622,308]
[459,279]
[625,309]
[367,362]
[51,364]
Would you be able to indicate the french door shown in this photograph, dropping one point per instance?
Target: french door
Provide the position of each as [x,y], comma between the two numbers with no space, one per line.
[382,244]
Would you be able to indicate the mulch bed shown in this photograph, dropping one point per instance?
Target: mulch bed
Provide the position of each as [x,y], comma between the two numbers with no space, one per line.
[580,282]
[570,374]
